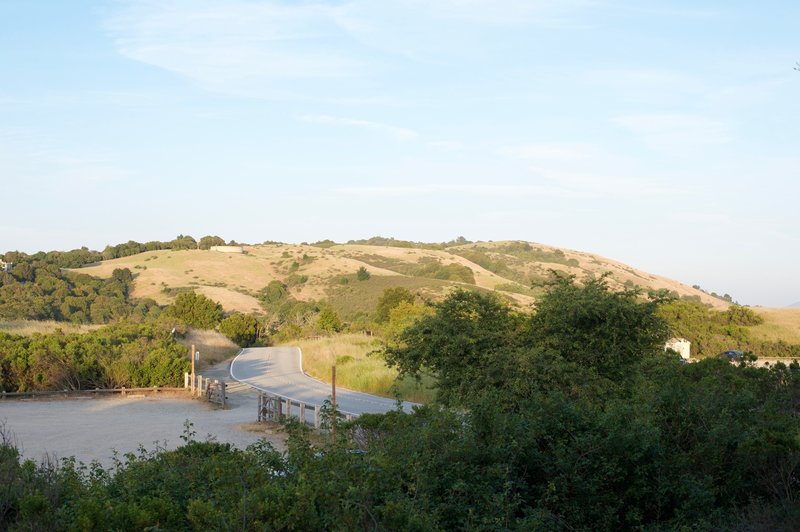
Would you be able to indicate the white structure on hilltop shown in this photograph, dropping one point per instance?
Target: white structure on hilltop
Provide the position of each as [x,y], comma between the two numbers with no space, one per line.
[5,266]
[682,346]
[228,249]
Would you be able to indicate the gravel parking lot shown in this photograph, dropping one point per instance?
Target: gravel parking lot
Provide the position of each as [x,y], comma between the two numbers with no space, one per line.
[91,429]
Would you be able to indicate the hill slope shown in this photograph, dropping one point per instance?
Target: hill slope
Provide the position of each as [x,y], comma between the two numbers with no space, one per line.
[513,268]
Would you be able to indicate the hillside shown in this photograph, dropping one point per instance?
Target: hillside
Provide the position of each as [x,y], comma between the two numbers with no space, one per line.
[328,273]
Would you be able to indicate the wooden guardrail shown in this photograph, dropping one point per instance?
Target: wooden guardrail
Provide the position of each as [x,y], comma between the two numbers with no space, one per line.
[274,407]
[97,391]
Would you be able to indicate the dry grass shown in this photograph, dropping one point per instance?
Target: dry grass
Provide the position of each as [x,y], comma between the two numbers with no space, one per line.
[779,324]
[214,347]
[30,327]
[357,369]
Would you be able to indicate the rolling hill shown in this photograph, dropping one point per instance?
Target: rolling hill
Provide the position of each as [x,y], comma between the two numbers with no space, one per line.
[316,272]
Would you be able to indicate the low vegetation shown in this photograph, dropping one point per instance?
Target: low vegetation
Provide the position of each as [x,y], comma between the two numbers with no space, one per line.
[117,355]
[713,332]
[569,418]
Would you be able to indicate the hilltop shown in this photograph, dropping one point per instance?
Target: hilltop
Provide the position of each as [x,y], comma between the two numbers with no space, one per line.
[327,271]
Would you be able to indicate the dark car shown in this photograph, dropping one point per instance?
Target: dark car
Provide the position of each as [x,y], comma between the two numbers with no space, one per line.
[732,354]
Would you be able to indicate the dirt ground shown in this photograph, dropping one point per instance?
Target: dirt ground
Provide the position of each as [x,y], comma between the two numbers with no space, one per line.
[91,429]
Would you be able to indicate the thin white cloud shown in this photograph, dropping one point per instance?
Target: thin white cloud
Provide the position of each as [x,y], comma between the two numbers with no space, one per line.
[236,47]
[608,185]
[676,131]
[400,133]
[446,145]
[436,189]
[549,151]
[256,49]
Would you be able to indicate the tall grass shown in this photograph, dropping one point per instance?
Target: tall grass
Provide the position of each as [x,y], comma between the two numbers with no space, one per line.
[31,327]
[360,368]
[214,347]
[779,324]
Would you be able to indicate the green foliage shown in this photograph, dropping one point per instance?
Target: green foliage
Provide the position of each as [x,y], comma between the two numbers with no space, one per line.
[596,328]
[295,280]
[134,248]
[390,298]
[705,446]
[275,292]
[328,320]
[525,251]
[738,315]
[427,267]
[324,244]
[483,260]
[711,332]
[242,329]
[362,274]
[570,419]
[40,290]
[391,242]
[208,241]
[468,344]
[195,310]
[476,343]
[114,356]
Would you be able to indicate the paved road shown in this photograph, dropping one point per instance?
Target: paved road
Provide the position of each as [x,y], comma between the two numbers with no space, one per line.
[279,370]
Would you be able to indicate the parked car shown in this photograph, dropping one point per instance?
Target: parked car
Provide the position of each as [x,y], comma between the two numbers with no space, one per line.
[732,354]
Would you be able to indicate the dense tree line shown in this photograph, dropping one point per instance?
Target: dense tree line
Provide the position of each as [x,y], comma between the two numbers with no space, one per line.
[133,248]
[38,290]
[131,355]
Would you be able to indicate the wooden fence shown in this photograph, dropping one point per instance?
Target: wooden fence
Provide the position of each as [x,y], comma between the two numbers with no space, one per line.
[85,393]
[274,407]
[212,389]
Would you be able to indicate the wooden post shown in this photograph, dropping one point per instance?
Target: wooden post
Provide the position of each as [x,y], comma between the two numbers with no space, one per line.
[222,392]
[316,417]
[303,413]
[333,402]
[193,351]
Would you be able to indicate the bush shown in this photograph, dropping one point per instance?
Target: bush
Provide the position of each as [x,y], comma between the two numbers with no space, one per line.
[195,310]
[242,329]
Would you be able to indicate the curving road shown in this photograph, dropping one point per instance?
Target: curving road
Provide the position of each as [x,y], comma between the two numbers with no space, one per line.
[279,370]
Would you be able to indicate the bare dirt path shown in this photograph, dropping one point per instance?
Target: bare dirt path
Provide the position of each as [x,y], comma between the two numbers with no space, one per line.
[90,429]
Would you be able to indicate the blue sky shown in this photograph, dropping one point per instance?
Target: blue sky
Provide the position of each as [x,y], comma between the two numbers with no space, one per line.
[661,134]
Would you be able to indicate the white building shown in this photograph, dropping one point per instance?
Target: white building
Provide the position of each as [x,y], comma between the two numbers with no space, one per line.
[682,346]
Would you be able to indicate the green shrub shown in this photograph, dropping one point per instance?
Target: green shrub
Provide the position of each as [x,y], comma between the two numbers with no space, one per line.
[195,310]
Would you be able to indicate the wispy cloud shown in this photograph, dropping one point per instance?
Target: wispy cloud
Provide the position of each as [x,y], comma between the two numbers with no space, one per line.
[237,47]
[549,151]
[511,190]
[256,49]
[446,145]
[676,131]
[400,133]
